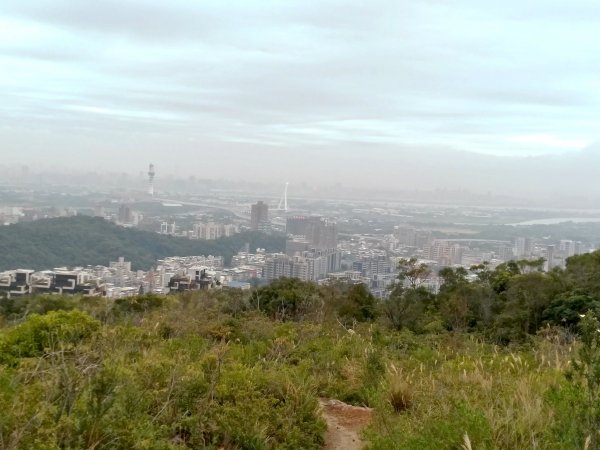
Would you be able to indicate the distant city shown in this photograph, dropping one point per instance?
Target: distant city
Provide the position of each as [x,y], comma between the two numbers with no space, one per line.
[327,240]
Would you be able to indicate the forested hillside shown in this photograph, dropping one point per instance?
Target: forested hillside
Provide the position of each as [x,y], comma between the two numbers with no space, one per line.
[510,360]
[79,241]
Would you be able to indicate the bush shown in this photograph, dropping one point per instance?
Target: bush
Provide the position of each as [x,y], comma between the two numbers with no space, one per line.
[39,334]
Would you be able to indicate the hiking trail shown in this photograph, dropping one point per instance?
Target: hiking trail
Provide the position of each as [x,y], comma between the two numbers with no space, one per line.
[344,424]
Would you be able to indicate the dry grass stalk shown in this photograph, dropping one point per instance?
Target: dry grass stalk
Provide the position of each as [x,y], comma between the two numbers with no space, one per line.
[466,443]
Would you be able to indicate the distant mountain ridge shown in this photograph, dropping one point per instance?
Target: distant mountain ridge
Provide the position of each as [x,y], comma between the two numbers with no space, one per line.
[82,241]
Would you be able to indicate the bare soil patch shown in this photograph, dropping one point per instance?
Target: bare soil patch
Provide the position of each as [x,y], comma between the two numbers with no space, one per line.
[344,424]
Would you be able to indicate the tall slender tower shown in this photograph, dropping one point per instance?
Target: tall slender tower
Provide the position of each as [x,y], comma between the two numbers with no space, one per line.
[151,174]
[283,204]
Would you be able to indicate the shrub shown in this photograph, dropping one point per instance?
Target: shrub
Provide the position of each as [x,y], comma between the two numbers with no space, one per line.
[585,375]
[39,334]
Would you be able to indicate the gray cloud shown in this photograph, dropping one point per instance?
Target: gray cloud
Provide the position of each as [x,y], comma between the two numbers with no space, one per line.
[267,82]
[148,21]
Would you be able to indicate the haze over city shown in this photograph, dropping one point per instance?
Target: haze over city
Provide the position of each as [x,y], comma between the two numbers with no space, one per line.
[411,94]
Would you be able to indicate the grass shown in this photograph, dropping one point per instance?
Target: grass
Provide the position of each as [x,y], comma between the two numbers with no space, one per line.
[495,396]
[401,395]
[191,373]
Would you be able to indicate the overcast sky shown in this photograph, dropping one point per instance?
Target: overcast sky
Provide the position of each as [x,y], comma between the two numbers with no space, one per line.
[236,87]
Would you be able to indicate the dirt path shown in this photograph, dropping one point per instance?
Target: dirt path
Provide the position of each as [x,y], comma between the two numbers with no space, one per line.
[344,423]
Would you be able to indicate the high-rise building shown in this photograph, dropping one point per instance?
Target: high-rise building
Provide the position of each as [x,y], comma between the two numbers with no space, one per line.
[99,211]
[322,262]
[570,248]
[523,247]
[371,266]
[444,252]
[125,214]
[212,230]
[297,225]
[207,231]
[505,252]
[406,235]
[322,234]
[411,237]
[319,232]
[259,216]
[550,263]
[310,265]
[278,265]
[168,228]
[121,271]
[151,175]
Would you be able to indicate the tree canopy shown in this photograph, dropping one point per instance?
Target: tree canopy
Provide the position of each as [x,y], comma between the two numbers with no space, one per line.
[81,241]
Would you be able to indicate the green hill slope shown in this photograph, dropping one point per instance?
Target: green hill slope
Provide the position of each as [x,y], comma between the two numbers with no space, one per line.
[80,241]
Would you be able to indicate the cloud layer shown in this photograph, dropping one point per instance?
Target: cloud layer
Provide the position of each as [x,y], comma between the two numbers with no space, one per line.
[251,86]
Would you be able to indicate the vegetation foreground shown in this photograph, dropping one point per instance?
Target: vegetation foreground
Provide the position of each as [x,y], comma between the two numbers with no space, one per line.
[82,241]
[502,362]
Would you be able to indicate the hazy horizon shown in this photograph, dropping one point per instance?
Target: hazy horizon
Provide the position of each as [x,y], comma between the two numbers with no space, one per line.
[394,95]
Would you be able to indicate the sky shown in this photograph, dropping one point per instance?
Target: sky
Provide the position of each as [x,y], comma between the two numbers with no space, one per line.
[295,90]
